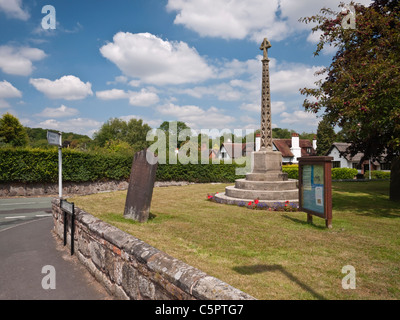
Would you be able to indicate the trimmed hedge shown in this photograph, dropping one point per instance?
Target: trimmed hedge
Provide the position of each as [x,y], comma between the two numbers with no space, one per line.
[343,173]
[31,165]
[36,165]
[378,175]
[25,165]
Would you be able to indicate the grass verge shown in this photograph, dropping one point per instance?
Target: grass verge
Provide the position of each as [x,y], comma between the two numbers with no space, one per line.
[273,255]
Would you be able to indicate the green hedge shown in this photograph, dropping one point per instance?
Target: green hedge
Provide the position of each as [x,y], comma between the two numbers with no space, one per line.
[36,165]
[377,174]
[30,165]
[25,165]
[343,173]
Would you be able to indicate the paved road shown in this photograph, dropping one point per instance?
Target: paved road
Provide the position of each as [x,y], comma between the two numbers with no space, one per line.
[19,210]
[28,245]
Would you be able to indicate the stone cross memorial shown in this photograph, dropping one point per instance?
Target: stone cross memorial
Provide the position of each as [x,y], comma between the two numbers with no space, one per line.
[141,184]
[266,182]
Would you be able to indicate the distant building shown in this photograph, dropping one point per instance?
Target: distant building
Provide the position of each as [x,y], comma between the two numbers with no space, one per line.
[231,150]
[291,149]
[340,160]
[294,148]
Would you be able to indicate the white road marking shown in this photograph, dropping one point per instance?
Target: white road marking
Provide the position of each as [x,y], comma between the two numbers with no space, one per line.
[13,204]
[15,217]
[44,215]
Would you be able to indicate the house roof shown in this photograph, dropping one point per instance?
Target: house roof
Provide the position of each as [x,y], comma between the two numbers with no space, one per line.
[284,145]
[236,150]
[342,147]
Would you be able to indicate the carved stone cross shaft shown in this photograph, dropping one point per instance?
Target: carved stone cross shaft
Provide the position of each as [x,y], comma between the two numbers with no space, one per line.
[266,122]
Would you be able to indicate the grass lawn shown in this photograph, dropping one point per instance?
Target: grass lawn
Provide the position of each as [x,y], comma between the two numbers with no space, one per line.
[273,255]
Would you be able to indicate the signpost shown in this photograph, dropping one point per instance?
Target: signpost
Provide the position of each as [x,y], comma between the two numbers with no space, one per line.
[315,188]
[68,208]
[54,139]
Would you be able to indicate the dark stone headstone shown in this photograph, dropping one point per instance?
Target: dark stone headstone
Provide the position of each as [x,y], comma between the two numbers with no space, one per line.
[141,184]
[395,180]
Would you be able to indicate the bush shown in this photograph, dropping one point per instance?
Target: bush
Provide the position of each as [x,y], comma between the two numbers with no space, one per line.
[377,174]
[292,171]
[343,173]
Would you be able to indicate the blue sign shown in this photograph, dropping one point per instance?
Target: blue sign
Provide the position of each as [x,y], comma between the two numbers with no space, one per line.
[313,188]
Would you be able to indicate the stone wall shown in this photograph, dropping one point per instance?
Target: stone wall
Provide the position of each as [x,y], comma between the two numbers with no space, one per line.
[131,269]
[19,189]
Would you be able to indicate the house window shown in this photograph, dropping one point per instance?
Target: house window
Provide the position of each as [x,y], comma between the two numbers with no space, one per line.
[308,150]
[356,165]
[335,164]
[386,166]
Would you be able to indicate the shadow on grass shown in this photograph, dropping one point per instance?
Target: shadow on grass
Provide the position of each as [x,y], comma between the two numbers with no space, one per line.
[369,206]
[260,268]
[304,223]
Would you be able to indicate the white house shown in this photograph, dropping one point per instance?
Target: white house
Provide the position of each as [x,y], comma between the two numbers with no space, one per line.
[340,161]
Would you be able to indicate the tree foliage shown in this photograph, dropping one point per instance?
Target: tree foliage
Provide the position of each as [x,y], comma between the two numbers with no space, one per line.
[12,132]
[325,137]
[133,132]
[361,91]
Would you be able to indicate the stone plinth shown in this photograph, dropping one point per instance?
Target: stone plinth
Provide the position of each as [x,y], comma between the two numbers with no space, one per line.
[266,182]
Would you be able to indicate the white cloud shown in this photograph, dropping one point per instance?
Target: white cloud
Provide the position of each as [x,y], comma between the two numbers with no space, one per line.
[67,87]
[112,94]
[154,123]
[152,60]
[142,98]
[18,61]
[300,117]
[13,9]
[76,125]
[7,90]
[223,91]
[289,78]
[253,19]
[4,104]
[230,19]
[277,107]
[196,117]
[61,112]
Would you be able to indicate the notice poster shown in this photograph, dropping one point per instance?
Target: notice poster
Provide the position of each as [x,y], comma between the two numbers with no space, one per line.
[313,188]
[307,177]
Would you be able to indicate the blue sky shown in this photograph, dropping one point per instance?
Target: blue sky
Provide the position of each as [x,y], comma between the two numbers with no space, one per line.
[196,61]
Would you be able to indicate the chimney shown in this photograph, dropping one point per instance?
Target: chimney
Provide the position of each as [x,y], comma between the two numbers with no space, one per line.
[314,143]
[258,142]
[296,150]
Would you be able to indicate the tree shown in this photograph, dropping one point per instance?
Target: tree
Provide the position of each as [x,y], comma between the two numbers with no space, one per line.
[12,132]
[174,128]
[361,91]
[325,137]
[133,132]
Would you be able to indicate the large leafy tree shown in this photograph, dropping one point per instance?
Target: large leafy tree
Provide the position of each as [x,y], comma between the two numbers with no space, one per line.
[12,132]
[133,132]
[361,91]
[325,137]
[174,129]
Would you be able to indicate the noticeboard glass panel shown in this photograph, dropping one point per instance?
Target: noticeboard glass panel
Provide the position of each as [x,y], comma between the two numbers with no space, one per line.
[313,188]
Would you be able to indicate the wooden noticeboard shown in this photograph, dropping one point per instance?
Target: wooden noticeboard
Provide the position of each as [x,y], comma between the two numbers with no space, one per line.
[315,187]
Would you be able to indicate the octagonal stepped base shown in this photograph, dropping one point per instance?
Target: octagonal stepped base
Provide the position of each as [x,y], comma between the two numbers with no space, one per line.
[223,198]
[290,184]
[262,194]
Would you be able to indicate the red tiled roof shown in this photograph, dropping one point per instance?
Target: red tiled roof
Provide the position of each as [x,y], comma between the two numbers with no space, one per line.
[283,146]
